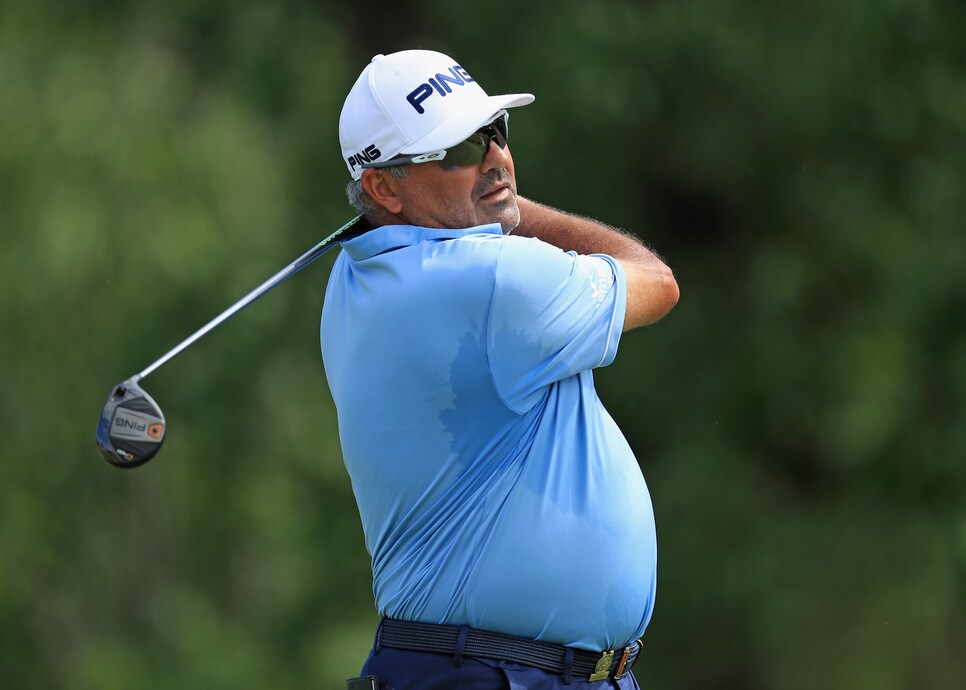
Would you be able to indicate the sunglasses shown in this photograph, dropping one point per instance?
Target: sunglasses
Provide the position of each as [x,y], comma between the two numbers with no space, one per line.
[471,151]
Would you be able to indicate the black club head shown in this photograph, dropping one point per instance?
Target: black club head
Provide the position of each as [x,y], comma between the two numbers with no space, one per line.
[131,428]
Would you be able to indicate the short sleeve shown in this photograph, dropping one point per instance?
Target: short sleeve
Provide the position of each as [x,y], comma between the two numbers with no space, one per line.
[553,314]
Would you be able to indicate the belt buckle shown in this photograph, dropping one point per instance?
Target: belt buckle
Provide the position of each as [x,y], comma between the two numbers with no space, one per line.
[602,668]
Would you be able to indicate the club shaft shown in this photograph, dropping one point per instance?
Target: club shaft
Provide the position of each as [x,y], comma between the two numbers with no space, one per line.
[286,273]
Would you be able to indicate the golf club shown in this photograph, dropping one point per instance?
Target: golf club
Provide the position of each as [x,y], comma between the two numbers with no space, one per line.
[131,427]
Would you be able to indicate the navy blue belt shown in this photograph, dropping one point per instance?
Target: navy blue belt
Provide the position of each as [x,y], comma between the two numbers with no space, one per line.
[465,641]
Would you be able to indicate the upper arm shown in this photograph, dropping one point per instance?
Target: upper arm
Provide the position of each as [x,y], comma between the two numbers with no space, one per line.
[553,314]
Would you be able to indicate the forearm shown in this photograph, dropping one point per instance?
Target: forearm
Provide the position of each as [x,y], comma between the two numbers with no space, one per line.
[651,288]
[576,233]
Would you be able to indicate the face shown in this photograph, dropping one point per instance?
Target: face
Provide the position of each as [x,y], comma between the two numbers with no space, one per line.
[462,197]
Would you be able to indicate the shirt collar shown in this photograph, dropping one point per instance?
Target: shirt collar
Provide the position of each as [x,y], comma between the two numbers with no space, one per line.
[388,237]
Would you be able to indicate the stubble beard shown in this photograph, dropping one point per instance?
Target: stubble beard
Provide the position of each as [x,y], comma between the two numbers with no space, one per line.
[506,212]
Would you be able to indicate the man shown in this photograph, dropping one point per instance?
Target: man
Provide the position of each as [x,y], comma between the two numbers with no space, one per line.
[510,528]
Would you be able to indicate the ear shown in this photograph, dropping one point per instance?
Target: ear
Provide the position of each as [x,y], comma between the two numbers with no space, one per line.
[383,188]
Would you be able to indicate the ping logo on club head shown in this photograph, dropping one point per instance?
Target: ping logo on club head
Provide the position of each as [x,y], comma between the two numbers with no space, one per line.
[130,425]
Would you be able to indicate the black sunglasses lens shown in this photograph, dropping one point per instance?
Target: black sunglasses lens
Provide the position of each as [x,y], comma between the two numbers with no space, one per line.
[473,150]
[469,152]
[502,125]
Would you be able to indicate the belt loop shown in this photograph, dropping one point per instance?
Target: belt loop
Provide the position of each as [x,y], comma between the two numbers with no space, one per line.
[568,665]
[377,645]
[460,643]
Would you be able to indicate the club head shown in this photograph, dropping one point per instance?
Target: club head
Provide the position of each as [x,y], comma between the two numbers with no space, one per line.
[131,428]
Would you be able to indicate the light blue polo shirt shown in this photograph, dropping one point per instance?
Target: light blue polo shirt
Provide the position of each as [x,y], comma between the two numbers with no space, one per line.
[494,488]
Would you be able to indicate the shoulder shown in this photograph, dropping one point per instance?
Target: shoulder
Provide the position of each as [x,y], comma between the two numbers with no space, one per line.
[525,263]
[505,254]
[517,249]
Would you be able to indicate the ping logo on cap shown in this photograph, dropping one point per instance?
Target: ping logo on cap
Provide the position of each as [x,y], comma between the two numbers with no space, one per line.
[367,155]
[438,83]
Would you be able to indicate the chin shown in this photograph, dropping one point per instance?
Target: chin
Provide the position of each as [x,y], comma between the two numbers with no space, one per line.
[508,226]
[508,218]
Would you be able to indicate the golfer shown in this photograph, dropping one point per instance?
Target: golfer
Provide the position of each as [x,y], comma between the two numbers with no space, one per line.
[510,528]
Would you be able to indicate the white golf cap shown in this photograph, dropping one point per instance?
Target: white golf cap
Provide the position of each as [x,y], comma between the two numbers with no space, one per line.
[413,102]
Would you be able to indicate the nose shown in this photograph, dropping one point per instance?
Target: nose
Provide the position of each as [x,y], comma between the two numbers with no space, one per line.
[496,157]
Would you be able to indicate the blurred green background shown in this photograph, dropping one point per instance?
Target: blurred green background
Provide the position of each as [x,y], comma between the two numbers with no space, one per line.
[799,416]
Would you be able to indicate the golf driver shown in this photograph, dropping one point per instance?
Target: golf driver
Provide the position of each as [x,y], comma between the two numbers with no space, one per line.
[131,427]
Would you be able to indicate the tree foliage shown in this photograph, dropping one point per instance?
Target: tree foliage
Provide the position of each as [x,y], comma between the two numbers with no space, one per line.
[799,416]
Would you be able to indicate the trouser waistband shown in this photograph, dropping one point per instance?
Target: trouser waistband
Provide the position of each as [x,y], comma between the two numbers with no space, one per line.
[463,641]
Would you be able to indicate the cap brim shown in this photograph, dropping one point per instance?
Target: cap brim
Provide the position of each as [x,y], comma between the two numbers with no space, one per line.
[453,130]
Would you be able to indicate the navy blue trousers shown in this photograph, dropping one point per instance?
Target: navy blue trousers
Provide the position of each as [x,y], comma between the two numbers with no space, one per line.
[399,669]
